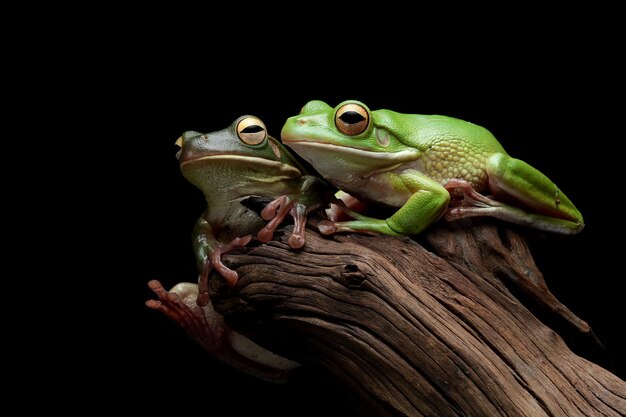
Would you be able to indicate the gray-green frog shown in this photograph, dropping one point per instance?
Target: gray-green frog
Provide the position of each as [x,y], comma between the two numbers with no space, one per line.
[231,165]
[429,166]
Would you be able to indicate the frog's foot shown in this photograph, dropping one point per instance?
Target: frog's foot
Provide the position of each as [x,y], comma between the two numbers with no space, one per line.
[275,212]
[178,304]
[270,211]
[465,201]
[342,205]
[361,224]
[350,207]
[208,329]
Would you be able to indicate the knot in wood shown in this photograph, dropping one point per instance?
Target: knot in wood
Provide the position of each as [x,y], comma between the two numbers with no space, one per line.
[350,276]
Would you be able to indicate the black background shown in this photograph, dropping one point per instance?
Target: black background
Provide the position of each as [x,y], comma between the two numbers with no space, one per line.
[543,105]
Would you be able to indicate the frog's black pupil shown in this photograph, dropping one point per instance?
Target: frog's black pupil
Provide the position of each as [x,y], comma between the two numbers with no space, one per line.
[352,117]
[252,129]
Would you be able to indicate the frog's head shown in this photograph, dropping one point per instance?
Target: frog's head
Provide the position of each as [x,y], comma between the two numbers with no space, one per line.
[242,149]
[349,139]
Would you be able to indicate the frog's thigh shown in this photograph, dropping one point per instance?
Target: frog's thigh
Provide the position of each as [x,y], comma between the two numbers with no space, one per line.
[529,186]
[429,200]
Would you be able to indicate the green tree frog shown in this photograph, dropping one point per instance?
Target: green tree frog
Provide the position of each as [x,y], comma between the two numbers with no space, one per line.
[427,166]
[231,165]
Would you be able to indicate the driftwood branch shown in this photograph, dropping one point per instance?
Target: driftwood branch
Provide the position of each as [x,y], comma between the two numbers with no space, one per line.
[419,329]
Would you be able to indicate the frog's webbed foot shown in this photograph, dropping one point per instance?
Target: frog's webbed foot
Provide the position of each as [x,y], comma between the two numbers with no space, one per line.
[342,207]
[214,261]
[178,304]
[465,201]
[275,212]
[208,329]
[314,194]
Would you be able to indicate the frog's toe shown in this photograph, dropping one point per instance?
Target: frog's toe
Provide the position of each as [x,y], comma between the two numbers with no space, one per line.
[231,278]
[203,299]
[166,302]
[265,235]
[326,227]
[175,306]
[299,213]
[228,274]
[297,241]
[271,209]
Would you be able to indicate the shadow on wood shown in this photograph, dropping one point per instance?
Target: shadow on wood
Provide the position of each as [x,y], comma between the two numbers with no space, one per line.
[419,330]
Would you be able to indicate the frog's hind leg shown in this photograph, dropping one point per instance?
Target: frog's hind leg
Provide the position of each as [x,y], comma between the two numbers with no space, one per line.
[543,205]
[466,202]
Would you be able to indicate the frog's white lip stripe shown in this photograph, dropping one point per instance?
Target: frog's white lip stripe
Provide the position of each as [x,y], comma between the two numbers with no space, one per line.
[248,160]
[402,156]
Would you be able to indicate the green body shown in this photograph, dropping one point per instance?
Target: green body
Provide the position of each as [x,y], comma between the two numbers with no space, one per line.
[228,170]
[422,164]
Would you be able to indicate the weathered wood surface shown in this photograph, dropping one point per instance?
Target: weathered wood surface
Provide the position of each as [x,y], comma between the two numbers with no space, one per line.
[418,330]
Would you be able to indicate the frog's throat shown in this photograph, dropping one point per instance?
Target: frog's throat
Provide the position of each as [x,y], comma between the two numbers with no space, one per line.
[248,160]
[398,157]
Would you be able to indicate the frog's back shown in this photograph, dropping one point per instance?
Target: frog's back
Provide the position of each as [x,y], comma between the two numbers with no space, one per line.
[452,148]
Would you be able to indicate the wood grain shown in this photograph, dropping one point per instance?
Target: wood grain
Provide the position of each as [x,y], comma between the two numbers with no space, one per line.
[425,329]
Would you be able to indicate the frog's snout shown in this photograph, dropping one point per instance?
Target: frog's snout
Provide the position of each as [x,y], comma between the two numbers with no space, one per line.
[180,142]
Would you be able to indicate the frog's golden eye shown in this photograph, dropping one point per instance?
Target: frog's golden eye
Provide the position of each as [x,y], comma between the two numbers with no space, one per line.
[251,130]
[352,119]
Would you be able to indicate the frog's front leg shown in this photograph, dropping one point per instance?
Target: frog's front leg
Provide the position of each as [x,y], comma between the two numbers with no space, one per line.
[275,212]
[543,205]
[313,194]
[209,253]
[208,329]
[427,202]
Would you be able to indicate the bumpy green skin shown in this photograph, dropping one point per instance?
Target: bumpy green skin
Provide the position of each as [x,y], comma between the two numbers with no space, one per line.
[227,171]
[415,162]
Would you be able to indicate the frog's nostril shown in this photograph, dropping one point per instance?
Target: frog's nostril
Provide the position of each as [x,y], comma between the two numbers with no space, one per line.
[301,121]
